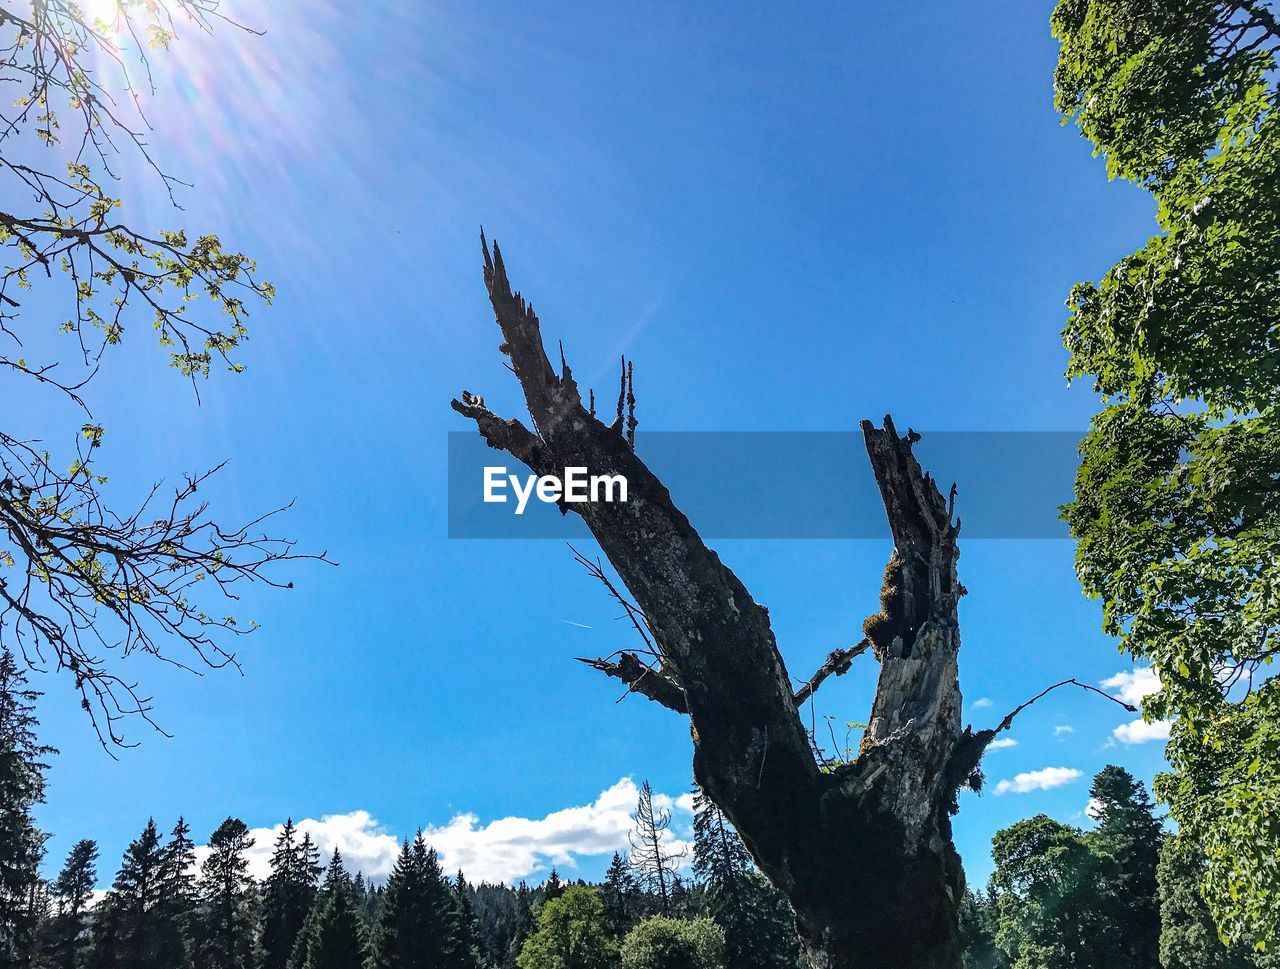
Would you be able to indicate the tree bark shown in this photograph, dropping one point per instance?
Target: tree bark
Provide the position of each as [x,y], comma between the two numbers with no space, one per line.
[863,850]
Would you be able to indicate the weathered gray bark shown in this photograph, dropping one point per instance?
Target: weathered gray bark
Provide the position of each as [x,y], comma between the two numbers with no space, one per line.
[864,852]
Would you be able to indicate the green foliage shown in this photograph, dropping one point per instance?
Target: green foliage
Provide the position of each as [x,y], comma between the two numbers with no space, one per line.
[1188,937]
[1176,510]
[467,932]
[1044,882]
[979,923]
[663,943]
[89,580]
[572,934]
[1068,899]
[1127,843]
[525,924]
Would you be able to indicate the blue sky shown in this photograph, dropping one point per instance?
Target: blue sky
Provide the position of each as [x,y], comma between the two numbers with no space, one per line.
[790,220]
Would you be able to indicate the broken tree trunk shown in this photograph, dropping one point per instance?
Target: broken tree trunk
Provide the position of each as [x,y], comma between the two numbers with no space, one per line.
[863,850]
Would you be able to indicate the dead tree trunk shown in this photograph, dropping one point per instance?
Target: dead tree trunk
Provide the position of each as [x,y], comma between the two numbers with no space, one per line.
[864,852]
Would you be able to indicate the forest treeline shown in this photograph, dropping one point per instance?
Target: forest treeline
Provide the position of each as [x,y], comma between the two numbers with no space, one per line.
[1123,893]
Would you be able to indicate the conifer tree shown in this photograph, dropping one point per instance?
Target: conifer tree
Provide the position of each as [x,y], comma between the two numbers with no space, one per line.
[1127,841]
[467,951]
[75,883]
[288,896]
[228,911]
[72,890]
[618,896]
[338,938]
[418,921]
[524,926]
[22,770]
[134,928]
[553,887]
[178,865]
[758,926]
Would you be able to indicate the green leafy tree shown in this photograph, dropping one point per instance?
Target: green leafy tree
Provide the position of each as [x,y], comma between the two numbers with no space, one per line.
[288,895]
[22,769]
[1188,937]
[92,577]
[418,921]
[337,937]
[572,934]
[1044,879]
[665,943]
[1176,510]
[228,924]
[757,923]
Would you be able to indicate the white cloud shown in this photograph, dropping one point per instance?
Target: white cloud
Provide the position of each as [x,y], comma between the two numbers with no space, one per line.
[1132,685]
[503,850]
[511,848]
[1093,809]
[1142,732]
[1062,729]
[1002,743]
[1038,780]
[981,703]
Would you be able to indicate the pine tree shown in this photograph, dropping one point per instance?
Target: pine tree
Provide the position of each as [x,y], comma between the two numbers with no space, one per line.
[288,896]
[75,883]
[1127,840]
[228,915]
[338,937]
[524,926]
[22,770]
[651,859]
[467,948]
[133,926]
[618,896]
[757,922]
[62,937]
[418,921]
[553,887]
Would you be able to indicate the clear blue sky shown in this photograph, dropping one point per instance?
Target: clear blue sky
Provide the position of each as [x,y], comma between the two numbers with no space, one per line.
[790,219]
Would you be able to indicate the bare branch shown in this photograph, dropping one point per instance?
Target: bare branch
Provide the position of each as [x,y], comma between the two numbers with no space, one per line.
[836,664]
[648,681]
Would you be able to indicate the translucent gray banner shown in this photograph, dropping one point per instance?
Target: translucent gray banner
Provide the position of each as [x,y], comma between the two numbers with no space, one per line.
[783,484]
